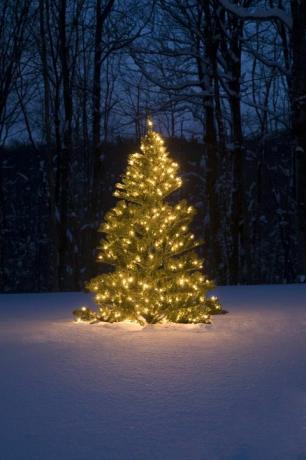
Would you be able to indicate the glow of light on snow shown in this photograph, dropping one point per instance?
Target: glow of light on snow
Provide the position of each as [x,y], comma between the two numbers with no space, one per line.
[232,390]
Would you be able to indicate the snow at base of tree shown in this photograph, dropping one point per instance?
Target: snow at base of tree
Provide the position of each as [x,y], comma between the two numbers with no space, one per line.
[235,390]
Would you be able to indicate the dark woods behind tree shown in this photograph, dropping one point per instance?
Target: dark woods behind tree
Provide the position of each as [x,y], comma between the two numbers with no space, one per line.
[77,79]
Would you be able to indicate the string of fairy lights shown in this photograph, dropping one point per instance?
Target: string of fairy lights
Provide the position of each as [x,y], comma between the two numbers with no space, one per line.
[157,273]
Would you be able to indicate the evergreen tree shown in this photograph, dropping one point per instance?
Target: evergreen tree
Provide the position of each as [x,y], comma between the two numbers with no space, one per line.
[157,274]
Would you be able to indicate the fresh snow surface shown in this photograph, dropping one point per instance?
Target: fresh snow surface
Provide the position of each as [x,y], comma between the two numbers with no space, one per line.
[235,390]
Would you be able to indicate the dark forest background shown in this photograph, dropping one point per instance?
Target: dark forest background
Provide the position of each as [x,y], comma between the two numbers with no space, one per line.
[225,82]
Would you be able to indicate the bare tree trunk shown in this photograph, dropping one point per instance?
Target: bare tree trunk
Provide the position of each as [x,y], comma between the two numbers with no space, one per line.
[44,67]
[101,15]
[95,170]
[2,228]
[65,234]
[210,139]
[96,116]
[299,120]
[237,214]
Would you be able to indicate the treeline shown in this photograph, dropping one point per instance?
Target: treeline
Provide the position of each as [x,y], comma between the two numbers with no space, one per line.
[78,77]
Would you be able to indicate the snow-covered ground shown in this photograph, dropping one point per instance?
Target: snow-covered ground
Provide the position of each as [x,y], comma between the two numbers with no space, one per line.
[235,390]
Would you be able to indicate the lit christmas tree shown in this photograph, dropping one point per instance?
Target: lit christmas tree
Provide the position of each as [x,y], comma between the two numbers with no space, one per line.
[157,273]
